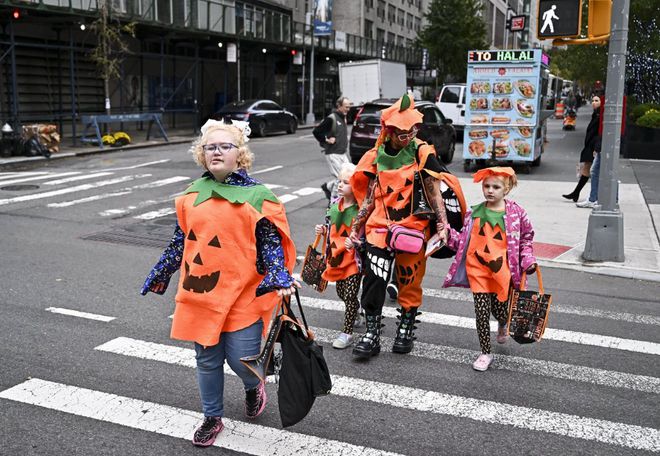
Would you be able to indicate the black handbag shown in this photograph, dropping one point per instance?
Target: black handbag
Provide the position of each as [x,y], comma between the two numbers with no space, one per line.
[304,374]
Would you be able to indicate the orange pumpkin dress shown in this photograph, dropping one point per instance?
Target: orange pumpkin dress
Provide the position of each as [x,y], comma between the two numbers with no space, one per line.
[341,262]
[217,287]
[486,261]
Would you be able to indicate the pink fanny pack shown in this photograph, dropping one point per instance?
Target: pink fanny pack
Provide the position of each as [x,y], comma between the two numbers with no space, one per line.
[404,240]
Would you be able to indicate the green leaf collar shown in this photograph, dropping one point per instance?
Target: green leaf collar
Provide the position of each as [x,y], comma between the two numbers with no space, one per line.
[485,215]
[406,156]
[345,217]
[207,188]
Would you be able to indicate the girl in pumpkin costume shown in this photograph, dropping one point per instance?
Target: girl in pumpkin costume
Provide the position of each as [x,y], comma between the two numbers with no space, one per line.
[383,185]
[341,266]
[232,237]
[492,250]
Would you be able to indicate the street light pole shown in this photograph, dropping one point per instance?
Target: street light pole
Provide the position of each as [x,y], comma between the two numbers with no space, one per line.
[605,232]
[310,119]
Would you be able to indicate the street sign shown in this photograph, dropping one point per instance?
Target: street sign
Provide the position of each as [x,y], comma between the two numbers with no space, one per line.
[559,18]
[517,23]
[231,52]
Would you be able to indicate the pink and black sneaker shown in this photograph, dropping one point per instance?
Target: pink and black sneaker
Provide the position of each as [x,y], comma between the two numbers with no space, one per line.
[255,401]
[205,434]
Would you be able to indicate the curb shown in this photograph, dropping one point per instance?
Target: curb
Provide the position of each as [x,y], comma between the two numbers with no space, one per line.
[623,272]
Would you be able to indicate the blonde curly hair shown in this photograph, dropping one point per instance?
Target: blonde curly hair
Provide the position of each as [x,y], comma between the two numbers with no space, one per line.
[245,157]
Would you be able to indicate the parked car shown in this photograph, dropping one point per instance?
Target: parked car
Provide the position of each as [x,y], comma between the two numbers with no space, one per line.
[451,102]
[264,116]
[435,129]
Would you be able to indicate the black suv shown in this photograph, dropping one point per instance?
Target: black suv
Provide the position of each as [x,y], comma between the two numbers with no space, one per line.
[435,129]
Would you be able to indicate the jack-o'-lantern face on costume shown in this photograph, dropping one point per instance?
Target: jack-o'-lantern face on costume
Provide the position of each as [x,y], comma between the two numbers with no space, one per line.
[487,240]
[202,276]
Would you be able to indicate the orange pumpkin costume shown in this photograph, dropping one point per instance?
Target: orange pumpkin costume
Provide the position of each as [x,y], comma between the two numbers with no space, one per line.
[217,287]
[341,262]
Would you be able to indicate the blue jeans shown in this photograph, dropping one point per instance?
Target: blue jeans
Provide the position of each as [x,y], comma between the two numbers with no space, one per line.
[595,175]
[210,365]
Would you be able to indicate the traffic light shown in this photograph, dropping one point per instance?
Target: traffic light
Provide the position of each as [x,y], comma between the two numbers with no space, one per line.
[16,14]
[559,19]
[293,52]
[600,17]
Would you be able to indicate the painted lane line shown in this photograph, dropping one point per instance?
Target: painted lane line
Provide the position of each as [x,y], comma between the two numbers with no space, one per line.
[78,188]
[286,198]
[123,191]
[531,366]
[175,422]
[35,178]
[77,313]
[266,170]
[12,175]
[574,426]
[77,178]
[595,340]
[141,165]
[456,295]
[129,209]
[305,136]
[274,186]
[156,214]
[305,191]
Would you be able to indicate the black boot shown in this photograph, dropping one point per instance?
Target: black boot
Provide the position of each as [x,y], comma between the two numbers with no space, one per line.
[405,337]
[369,343]
[575,194]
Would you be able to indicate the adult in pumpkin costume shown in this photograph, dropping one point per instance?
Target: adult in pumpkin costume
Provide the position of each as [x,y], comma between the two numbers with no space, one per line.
[492,250]
[232,237]
[384,184]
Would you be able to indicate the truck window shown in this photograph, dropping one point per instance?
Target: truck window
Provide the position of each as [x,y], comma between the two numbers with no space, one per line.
[450,95]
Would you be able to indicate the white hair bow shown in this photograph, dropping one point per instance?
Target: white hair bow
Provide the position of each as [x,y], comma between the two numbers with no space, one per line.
[243,126]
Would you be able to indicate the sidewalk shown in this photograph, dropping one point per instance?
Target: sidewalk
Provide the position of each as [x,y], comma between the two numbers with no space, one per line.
[561,227]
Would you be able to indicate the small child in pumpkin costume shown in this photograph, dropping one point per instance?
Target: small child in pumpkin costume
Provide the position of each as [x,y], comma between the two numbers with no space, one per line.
[492,250]
[233,239]
[341,266]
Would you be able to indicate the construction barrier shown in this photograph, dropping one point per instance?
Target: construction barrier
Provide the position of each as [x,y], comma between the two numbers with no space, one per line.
[559,110]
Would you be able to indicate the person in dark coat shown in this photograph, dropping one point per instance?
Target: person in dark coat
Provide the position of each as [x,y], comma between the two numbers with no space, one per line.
[587,153]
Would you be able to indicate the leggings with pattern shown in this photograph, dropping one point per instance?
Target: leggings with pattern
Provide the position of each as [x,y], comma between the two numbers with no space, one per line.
[484,304]
[347,290]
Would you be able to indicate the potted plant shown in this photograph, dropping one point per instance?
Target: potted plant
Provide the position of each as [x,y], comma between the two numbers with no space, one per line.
[643,132]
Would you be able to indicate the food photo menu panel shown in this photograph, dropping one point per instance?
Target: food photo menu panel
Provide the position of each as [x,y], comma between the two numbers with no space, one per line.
[502,104]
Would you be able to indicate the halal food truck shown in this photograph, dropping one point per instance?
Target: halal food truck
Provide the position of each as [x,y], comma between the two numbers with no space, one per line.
[503,111]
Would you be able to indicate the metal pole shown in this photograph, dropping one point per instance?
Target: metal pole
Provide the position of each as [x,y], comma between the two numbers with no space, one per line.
[238,68]
[302,104]
[14,81]
[605,233]
[72,81]
[310,119]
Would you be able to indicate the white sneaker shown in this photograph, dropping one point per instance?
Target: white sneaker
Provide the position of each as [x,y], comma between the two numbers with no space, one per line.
[343,340]
[587,204]
[359,320]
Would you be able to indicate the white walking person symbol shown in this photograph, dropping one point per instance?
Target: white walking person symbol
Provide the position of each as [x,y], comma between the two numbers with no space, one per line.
[548,16]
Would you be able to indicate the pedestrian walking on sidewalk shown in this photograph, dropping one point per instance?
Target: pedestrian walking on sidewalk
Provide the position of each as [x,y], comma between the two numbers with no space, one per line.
[492,250]
[332,135]
[232,237]
[342,266]
[587,153]
[384,184]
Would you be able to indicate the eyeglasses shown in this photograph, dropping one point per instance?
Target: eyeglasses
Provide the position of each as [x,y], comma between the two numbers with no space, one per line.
[222,147]
[407,136]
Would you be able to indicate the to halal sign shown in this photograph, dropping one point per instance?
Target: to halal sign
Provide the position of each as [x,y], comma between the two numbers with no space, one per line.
[559,18]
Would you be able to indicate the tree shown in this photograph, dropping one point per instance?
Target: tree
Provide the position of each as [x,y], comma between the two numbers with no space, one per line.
[110,46]
[454,27]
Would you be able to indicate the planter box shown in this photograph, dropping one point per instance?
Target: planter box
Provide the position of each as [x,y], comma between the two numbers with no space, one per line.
[642,142]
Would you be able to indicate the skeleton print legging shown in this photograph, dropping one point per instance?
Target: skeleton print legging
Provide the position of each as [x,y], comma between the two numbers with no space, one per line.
[347,290]
[484,304]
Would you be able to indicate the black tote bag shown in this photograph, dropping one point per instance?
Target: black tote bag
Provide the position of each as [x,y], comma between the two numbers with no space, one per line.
[304,374]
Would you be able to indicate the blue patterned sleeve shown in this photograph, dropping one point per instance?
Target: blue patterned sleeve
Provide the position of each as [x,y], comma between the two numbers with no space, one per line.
[169,263]
[270,258]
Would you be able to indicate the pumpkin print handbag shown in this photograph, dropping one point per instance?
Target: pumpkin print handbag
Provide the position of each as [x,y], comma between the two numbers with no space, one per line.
[314,265]
[528,312]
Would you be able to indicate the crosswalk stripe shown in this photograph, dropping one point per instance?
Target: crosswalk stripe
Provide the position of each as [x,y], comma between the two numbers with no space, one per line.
[175,422]
[78,178]
[35,178]
[141,165]
[531,366]
[156,214]
[306,191]
[77,313]
[266,170]
[456,295]
[286,198]
[78,188]
[14,174]
[575,337]
[123,191]
[574,426]
[128,209]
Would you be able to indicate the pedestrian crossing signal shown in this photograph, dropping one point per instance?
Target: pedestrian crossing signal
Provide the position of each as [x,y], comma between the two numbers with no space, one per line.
[559,19]
[600,17]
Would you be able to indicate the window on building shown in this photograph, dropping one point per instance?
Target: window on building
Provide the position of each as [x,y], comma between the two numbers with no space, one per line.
[401,17]
[409,21]
[369,3]
[499,29]
[418,24]
[380,12]
[400,40]
[380,35]
[391,13]
[391,38]
[368,28]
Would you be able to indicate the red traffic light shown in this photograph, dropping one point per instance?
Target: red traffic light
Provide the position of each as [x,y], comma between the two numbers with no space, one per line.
[16,14]
[293,52]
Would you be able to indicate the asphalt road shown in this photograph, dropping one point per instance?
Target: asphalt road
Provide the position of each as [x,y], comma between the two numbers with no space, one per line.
[78,386]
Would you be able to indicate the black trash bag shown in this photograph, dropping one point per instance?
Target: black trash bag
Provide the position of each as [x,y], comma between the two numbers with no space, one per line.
[32,148]
[304,374]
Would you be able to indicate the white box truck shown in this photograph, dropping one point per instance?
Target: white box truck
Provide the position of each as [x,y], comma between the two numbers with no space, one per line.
[369,80]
